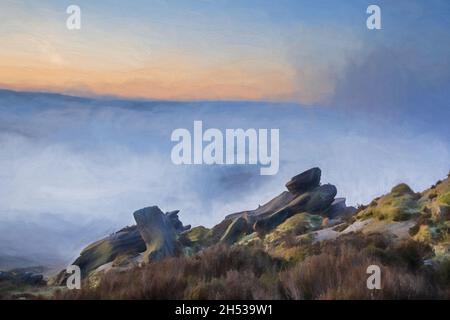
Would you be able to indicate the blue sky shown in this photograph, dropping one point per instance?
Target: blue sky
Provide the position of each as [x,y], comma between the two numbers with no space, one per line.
[297,51]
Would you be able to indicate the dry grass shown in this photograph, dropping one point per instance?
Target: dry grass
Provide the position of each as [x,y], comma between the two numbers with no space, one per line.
[341,274]
[216,273]
[338,271]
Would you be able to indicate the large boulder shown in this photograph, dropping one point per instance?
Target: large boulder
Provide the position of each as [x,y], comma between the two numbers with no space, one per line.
[154,235]
[305,181]
[321,198]
[125,242]
[22,277]
[316,201]
[175,221]
[268,208]
[159,232]
[269,223]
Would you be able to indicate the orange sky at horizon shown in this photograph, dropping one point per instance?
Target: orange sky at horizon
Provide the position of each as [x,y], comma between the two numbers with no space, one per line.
[166,81]
[165,58]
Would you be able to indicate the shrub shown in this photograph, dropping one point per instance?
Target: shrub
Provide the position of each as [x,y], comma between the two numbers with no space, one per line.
[340,273]
[233,286]
[412,253]
[400,215]
[443,272]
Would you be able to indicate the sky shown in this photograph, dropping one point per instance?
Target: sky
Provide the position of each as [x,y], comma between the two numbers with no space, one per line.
[369,107]
[286,50]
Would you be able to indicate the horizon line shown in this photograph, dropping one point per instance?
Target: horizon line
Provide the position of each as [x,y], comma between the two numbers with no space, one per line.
[112,97]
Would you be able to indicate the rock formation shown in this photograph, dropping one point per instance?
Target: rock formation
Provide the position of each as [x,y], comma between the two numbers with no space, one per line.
[240,226]
[304,181]
[339,209]
[157,235]
[305,195]
[159,232]
[317,201]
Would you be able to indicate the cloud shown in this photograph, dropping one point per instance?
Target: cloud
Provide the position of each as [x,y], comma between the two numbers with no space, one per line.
[93,162]
[403,68]
[108,161]
[394,80]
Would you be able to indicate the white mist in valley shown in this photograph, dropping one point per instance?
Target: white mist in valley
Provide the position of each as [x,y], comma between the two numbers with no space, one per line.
[74,169]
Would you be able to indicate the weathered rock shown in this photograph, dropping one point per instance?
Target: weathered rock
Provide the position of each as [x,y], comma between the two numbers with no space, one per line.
[271,222]
[175,221]
[338,204]
[236,229]
[127,241]
[321,198]
[158,232]
[268,208]
[305,181]
[339,209]
[302,188]
[22,278]
[314,201]
[32,279]
[155,234]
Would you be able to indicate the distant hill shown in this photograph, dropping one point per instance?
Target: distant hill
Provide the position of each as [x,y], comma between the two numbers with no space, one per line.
[11,262]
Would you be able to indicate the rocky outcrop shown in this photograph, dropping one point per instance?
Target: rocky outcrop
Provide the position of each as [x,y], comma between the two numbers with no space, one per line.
[157,235]
[339,209]
[239,227]
[19,277]
[159,232]
[270,207]
[321,199]
[314,201]
[292,229]
[287,227]
[305,181]
[305,195]
[125,242]
[175,221]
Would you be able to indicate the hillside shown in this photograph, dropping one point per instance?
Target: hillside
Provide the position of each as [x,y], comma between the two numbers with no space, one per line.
[303,244]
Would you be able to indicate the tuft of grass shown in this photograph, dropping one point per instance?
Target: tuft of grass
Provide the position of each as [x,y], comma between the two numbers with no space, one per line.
[444,198]
[196,234]
[401,189]
[400,205]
